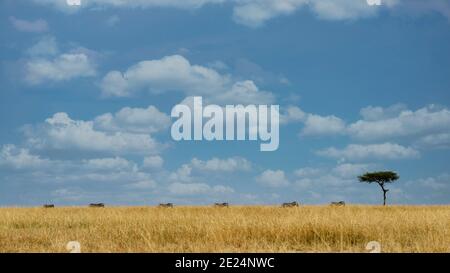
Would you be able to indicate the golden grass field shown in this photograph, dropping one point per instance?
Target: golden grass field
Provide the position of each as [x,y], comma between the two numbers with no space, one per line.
[233,229]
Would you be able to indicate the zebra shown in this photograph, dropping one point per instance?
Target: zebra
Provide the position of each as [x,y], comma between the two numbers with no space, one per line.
[49,206]
[290,205]
[166,205]
[221,205]
[339,204]
[97,205]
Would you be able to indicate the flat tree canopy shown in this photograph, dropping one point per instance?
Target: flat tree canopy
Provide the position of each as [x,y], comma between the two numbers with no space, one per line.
[379,177]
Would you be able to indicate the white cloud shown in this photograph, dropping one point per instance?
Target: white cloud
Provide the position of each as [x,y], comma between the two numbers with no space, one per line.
[231,164]
[39,25]
[144,184]
[198,188]
[171,73]
[176,74]
[323,125]
[343,9]
[291,114]
[307,172]
[198,169]
[244,92]
[439,183]
[62,68]
[45,63]
[424,121]
[136,120]
[60,132]
[426,127]
[273,178]
[313,124]
[182,174]
[348,170]
[441,141]
[46,46]
[356,152]
[153,162]
[111,164]
[183,4]
[371,113]
[20,158]
[254,13]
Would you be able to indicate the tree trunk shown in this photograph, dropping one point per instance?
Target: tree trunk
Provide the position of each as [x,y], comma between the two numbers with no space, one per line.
[384,193]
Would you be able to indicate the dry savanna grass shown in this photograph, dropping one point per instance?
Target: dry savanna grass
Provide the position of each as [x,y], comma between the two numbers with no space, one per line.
[233,229]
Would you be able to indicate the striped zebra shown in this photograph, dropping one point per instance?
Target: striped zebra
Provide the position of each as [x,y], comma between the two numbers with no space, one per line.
[290,205]
[96,205]
[166,205]
[338,204]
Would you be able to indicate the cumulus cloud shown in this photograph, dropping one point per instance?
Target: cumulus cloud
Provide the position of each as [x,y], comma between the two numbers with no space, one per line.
[438,183]
[176,73]
[136,120]
[60,132]
[273,178]
[36,169]
[171,73]
[182,174]
[343,174]
[183,4]
[254,13]
[323,125]
[348,170]
[197,188]
[243,92]
[407,123]
[307,172]
[196,169]
[62,68]
[357,152]
[291,114]
[433,189]
[231,164]
[439,141]
[153,162]
[328,184]
[314,124]
[195,178]
[39,25]
[143,185]
[20,158]
[374,113]
[46,46]
[111,164]
[428,126]
[47,64]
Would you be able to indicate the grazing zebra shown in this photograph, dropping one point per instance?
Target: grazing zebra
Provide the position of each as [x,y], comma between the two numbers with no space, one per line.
[339,204]
[96,205]
[166,205]
[221,205]
[290,205]
[49,206]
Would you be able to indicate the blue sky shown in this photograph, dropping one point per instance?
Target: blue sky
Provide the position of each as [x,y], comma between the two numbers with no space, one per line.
[86,94]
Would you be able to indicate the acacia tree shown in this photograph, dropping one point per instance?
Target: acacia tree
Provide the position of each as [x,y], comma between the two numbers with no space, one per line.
[381,178]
